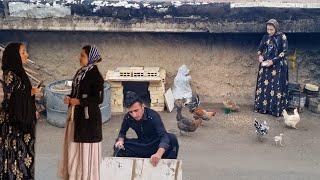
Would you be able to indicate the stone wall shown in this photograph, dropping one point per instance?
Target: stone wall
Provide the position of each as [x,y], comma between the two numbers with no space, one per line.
[221,64]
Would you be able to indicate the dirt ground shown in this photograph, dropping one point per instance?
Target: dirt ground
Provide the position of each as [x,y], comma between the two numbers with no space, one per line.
[224,148]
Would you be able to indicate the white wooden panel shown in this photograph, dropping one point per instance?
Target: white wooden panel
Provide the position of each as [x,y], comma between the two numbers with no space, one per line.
[116,169]
[169,99]
[140,169]
[165,170]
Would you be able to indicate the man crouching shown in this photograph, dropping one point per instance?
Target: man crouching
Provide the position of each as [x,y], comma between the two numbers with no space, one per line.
[153,140]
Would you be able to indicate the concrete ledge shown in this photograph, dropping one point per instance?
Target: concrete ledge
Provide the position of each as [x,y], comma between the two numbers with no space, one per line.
[113,16]
[305,5]
[176,25]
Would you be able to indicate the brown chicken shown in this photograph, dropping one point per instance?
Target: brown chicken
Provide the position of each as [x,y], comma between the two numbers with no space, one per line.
[202,114]
[229,104]
[197,111]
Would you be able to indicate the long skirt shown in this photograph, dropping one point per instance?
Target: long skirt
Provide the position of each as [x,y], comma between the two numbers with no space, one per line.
[272,89]
[16,152]
[80,161]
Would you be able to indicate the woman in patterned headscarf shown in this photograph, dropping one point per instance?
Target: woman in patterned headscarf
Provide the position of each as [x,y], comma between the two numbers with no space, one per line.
[82,147]
[272,82]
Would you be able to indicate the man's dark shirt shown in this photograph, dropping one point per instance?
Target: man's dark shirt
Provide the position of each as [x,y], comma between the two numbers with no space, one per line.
[149,129]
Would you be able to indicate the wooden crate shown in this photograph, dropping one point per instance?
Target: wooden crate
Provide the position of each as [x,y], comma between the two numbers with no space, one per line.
[140,169]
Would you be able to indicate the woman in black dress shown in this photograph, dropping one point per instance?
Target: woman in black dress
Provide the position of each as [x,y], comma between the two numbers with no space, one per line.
[18,116]
[82,148]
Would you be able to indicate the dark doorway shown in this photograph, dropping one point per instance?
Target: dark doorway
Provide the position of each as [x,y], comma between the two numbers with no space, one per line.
[141,88]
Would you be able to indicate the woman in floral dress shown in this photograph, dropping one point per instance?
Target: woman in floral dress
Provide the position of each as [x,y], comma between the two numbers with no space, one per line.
[272,82]
[17,117]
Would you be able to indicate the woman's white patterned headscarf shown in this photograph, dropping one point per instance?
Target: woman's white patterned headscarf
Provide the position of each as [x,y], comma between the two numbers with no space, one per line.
[93,58]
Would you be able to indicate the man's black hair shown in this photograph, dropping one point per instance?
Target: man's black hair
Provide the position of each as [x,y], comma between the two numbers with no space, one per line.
[131,98]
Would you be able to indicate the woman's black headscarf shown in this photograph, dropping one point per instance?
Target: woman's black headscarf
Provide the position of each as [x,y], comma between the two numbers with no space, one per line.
[21,107]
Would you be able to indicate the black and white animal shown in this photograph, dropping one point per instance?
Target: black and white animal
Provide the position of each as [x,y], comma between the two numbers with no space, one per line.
[194,103]
[261,129]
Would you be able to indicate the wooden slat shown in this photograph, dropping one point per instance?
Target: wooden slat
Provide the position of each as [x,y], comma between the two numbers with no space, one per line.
[30,71]
[140,169]
[32,77]
[116,168]
[169,100]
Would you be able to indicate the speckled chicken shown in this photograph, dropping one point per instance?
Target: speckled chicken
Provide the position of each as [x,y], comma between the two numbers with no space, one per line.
[186,124]
[261,129]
